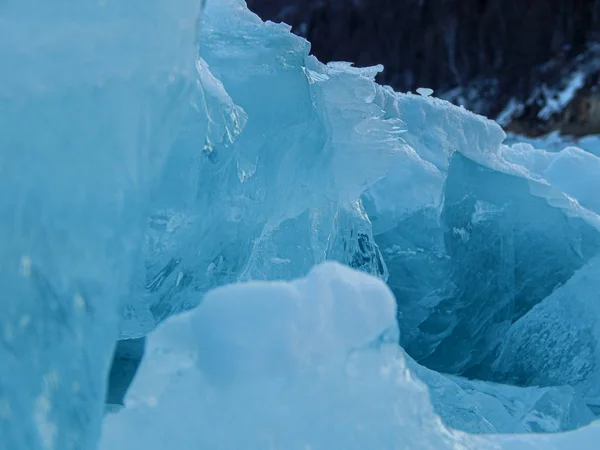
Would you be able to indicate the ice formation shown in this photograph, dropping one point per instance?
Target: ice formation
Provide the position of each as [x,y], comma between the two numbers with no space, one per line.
[467,264]
[91,95]
[334,377]
[215,377]
[140,173]
[557,341]
[488,408]
[277,198]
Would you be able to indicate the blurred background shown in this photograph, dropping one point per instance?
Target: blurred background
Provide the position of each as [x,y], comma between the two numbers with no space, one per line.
[533,65]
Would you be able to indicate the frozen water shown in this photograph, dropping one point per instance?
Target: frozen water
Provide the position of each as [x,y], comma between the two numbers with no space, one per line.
[308,364]
[557,341]
[404,207]
[291,145]
[571,170]
[425,92]
[135,180]
[90,98]
[509,248]
[483,407]
[477,267]
[312,364]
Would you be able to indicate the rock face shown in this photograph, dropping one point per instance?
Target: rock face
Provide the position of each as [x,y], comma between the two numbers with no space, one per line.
[485,54]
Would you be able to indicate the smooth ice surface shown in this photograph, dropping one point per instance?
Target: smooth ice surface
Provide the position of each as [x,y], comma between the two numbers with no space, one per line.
[308,364]
[91,94]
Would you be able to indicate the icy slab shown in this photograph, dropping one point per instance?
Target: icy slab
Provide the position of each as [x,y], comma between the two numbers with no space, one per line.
[433,130]
[572,170]
[482,257]
[308,364]
[511,241]
[274,186]
[404,206]
[90,96]
[557,342]
[419,247]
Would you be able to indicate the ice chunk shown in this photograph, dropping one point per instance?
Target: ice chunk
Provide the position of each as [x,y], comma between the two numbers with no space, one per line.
[511,242]
[571,170]
[292,145]
[308,364]
[404,206]
[90,99]
[557,341]
[425,92]
[576,173]
[434,130]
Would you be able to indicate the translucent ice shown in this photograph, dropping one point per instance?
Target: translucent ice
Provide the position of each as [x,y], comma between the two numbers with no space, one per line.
[90,97]
[509,248]
[134,178]
[291,145]
[557,341]
[509,226]
[571,170]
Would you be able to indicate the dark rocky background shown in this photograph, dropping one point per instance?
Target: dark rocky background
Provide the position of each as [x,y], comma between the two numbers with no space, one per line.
[484,54]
